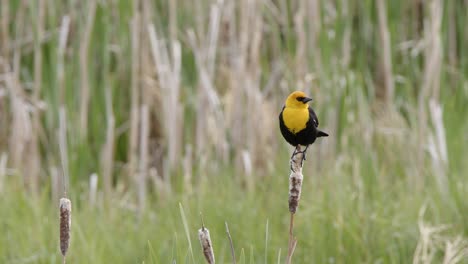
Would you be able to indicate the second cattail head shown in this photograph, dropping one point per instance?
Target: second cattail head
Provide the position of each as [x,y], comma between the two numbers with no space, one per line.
[205,240]
[65,224]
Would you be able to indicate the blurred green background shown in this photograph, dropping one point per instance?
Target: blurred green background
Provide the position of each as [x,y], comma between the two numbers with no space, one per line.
[148,113]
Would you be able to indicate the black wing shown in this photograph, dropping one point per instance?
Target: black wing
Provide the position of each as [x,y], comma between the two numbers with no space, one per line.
[313,117]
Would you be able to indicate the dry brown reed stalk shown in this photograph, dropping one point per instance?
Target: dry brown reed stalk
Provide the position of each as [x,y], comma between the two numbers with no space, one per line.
[4,115]
[452,27]
[295,186]
[386,62]
[301,46]
[3,169]
[245,105]
[209,116]
[207,246]
[20,128]
[4,25]
[84,65]
[65,226]
[63,36]
[143,166]
[63,147]
[167,61]
[173,20]
[437,147]
[19,35]
[255,107]
[33,166]
[430,86]
[107,161]
[315,27]
[432,242]
[147,83]
[134,91]
[346,46]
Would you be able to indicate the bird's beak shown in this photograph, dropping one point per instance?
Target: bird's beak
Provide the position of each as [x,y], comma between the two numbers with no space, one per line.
[306,99]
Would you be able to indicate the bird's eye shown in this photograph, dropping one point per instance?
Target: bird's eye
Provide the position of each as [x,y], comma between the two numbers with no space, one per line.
[300,98]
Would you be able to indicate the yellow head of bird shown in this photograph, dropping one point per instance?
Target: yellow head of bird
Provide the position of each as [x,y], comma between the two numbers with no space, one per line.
[297,99]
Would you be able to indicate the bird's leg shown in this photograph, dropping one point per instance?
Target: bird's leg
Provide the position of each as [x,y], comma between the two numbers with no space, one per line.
[304,152]
[297,151]
[304,155]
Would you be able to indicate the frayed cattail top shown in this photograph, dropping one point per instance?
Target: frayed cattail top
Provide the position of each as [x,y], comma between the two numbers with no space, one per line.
[205,240]
[295,182]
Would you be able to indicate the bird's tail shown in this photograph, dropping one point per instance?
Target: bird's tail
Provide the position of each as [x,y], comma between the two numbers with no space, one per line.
[321,134]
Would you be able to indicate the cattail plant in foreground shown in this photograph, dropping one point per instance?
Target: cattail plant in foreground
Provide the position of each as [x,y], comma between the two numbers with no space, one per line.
[65,225]
[295,185]
[207,246]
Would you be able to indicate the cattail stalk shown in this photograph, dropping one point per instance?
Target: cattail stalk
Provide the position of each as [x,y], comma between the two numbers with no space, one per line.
[295,186]
[65,225]
[205,241]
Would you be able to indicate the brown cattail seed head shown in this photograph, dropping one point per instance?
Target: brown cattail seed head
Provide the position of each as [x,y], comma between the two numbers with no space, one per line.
[205,240]
[295,181]
[65,224]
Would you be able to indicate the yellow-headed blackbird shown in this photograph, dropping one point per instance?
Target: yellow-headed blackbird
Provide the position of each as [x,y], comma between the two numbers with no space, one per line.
[298,121]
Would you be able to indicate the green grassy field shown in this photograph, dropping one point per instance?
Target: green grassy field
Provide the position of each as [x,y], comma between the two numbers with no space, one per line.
[173,106]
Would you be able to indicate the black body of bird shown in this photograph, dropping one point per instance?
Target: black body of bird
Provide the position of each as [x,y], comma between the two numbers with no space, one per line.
[298,121]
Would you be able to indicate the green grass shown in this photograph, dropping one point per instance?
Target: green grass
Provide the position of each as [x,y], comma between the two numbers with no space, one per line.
[345,215]
[364,186]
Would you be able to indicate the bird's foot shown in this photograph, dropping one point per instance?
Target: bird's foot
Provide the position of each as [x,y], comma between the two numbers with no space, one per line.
[297,151]
[294,152]
[303,152]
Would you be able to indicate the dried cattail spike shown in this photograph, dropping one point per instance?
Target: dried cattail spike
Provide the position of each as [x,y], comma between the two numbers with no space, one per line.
[205,240]
[65,224]
[295,180]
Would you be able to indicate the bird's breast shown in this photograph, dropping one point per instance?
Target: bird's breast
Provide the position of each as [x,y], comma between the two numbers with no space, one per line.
[295,119]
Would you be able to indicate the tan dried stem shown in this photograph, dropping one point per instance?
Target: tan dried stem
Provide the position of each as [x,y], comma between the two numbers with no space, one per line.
[144,157]
[386,60]
[84,65]
[107,159]
[292,240]
[135,91]
[33,167]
